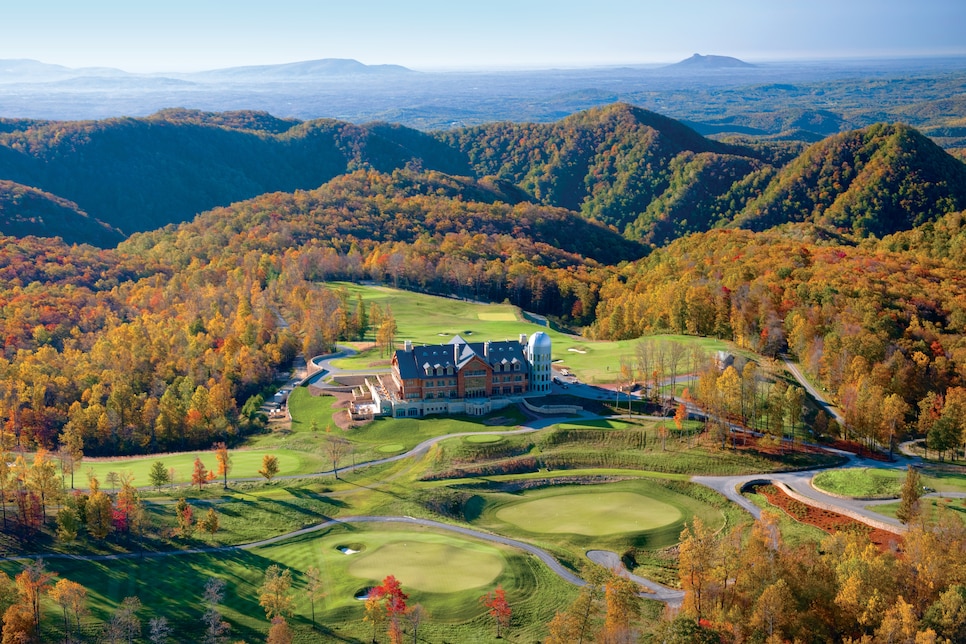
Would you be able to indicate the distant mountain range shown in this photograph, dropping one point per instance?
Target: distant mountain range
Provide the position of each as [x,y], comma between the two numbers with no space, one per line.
[650,177]
[32,71]
[718,96]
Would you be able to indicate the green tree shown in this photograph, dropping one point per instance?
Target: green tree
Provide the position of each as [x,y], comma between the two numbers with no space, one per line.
[209,523]
[909,506]
[68,523]
[159,475]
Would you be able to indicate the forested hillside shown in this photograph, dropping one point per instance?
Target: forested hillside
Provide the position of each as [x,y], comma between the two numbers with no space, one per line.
[28,211]
[165,342]
[140,174]
[866,322]
[650,177]
[874,181]
[162,342]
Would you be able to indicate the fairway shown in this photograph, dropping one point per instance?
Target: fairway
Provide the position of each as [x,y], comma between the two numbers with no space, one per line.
[245,463]
[430,566]
[429,319]
[591,514]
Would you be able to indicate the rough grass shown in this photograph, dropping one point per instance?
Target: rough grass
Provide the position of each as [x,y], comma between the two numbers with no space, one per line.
[931,507]
[245,463]
[861,482]
[609,445]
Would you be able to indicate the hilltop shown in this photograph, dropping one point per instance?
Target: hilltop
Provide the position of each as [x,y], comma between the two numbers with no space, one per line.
[711,61]
[650,177]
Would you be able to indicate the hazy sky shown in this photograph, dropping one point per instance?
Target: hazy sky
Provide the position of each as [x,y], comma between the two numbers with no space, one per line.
[188,35]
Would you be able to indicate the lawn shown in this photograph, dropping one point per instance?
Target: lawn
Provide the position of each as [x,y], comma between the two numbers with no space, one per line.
[861,482]
[871,483]
[931,507]
[245,463]
[383,436]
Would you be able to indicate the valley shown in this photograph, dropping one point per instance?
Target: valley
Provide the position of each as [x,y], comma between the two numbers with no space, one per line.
[172,282]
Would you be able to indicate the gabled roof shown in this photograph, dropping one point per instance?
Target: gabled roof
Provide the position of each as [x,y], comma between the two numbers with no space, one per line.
[456,354]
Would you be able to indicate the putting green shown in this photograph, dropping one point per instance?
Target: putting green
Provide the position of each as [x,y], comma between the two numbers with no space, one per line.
[391,448]
[497,316]
[430,565]
[590,514]
[483,438]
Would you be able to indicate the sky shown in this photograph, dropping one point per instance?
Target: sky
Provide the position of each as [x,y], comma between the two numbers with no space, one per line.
[191,35]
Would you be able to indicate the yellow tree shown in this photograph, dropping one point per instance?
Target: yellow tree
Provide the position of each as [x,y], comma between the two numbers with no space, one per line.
[622,609]
[696,563]
[774,610]
[72,598]
[98,510]
[18,625]
[274,592]
[729,391]
[269,466]
[32,583]
[224,462]
[70,452]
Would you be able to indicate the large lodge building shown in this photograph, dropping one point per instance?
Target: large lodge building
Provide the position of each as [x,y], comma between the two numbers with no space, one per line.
[462,377]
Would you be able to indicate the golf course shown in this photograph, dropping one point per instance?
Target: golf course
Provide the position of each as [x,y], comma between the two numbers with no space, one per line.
[468,504]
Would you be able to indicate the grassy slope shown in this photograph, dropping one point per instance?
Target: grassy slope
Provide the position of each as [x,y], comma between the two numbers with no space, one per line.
[427,319]
[251,511]
[877,482]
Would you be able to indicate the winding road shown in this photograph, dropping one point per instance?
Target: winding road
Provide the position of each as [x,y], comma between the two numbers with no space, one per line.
[729,486]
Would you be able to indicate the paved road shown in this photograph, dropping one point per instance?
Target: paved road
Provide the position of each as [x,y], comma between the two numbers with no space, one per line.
[727,485]
[813,392]
[610,560]
[541,554]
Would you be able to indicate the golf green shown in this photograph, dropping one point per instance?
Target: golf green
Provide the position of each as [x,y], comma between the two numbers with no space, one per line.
[434,566]
[483,438]
[590,514]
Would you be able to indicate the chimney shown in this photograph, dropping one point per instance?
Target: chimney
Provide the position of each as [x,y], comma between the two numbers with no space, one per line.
[456,355]
[486,349]
[523,338]
[408,346]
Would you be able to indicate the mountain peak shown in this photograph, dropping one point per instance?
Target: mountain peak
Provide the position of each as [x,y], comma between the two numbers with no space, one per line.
[711,61]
